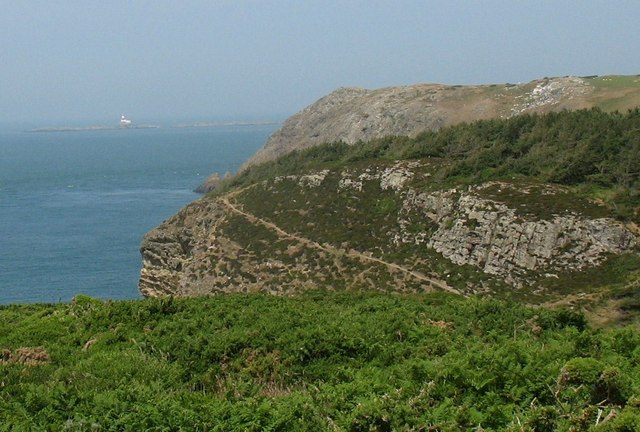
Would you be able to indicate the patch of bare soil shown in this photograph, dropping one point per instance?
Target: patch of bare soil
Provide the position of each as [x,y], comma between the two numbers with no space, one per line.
[600,311]
[30,356]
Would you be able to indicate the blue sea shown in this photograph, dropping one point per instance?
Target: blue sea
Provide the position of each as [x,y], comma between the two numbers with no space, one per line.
[74,206]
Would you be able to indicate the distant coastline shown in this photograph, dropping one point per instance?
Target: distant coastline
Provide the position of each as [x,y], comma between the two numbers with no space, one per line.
[220,124]
[178,126]
[92,128]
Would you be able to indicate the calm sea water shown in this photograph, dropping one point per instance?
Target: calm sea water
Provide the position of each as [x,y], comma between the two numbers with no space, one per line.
[75,205]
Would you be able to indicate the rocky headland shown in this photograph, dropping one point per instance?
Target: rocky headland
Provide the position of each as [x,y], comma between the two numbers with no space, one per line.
[398,225]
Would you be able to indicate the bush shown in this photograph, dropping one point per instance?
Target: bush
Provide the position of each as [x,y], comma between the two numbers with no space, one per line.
[319,361]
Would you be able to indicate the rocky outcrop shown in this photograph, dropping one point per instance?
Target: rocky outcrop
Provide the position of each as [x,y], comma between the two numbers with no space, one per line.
[491,236]
[499,239]
[168,250]
[212,182]
[356,114]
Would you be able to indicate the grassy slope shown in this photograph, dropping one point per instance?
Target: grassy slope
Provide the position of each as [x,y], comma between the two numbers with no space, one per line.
[365,221]
[318,361]
[609,93]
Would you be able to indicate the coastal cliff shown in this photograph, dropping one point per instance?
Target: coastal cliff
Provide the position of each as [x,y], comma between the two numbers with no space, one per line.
[528,205]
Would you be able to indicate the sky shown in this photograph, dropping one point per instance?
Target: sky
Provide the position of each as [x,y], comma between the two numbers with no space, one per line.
[75,61]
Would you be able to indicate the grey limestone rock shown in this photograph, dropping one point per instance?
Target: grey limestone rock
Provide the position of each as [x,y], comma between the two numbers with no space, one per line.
[351,114]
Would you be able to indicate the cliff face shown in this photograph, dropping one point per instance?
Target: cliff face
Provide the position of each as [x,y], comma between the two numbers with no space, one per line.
[354,114]
[378,227]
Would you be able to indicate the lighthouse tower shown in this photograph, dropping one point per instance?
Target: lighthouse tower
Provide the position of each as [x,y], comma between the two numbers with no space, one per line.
[124,121]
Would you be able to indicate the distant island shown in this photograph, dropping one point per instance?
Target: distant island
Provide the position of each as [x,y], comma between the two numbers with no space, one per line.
[124,125]
[92,128]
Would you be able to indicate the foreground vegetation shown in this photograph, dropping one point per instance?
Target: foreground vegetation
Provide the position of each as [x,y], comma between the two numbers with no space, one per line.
[317,361]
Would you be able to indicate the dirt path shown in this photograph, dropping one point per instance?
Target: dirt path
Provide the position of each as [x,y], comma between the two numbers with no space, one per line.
[333,250]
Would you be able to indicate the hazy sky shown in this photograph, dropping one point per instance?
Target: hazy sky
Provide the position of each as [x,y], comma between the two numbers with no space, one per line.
[77,61]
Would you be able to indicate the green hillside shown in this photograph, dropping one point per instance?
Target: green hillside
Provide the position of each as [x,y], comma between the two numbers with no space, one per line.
[318,361]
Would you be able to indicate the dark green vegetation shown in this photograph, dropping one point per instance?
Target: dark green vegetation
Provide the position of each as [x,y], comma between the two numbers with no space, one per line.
[318,361]
[594,152]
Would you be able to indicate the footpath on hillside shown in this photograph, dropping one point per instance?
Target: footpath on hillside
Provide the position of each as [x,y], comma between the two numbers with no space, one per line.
[392,267]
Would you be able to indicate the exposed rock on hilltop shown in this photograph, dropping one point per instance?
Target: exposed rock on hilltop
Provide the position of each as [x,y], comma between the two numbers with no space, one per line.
[356,114]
